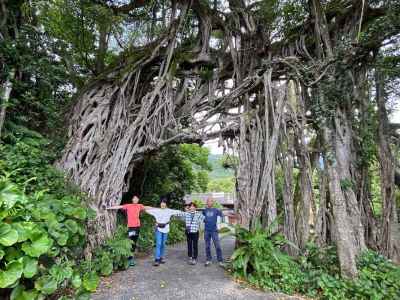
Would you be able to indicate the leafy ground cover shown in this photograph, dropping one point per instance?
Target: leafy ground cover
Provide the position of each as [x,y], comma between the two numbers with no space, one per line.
[260,260]
[42,227]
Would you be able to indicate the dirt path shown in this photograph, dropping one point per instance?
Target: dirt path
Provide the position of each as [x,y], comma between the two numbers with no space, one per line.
[178,280]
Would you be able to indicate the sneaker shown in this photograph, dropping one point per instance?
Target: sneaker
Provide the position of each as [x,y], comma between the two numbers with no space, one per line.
[162,261]
[207,263]
[156,263]
[221,264]
[193,262]
[132,262]
[190,260]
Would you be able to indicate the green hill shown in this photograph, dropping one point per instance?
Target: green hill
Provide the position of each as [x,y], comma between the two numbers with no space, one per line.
[218,171]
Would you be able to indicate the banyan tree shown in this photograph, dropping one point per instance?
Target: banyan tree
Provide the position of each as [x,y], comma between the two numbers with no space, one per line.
[296,88]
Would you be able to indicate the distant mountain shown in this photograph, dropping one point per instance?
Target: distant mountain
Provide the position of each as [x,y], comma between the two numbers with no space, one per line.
[217,170]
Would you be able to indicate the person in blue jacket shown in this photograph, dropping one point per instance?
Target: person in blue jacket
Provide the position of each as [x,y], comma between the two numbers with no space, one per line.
[211,215]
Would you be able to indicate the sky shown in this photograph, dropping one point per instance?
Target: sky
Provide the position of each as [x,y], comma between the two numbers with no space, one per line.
[212,145]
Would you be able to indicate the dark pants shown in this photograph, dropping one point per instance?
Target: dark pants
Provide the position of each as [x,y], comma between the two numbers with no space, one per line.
[192,243]
[208,235]
[133,234]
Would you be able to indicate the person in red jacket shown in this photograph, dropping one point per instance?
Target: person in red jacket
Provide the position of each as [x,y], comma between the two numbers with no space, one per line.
[133,217]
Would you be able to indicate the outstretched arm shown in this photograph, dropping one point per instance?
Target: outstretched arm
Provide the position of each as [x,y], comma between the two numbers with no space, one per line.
[201,217]
[178,213]
[115,207]
[150,210]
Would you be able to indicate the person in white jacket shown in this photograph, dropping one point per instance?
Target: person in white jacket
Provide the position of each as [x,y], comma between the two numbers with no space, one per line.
[163,217]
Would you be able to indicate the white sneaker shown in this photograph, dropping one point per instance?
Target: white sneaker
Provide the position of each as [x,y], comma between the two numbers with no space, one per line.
[207,263]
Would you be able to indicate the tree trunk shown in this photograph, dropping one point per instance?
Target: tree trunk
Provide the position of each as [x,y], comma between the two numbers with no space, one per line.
[367,214]
[306,187]
[347,220]
[258,141]
[287,163]
[337,136]
[5,90]
[362,158]
[116,120]
[322,220]
[390,231]
[306,194]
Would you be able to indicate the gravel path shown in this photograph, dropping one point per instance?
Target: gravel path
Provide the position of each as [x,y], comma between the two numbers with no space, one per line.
[178,280]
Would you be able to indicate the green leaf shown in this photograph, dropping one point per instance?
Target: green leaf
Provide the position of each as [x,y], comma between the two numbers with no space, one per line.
[46,284]
[2,254]
[11,274]
[10,195]
[30,267]
[82,296]
[61,272]
[72,226]
[13,253]
[8,236]
[18,293]
[90,281]
[24,229]
[61,238]
[79,213]
[76,212]
[76,281]
[54,251]
[81,230]
[106,267]
[91,214]
[38,246]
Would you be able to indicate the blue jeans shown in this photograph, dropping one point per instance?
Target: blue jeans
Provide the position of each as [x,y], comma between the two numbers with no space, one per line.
[208,235]
[161,239]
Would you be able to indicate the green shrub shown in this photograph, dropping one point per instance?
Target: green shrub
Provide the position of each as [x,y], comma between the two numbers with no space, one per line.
[224,230]
[259,260]
[201,204]
[378,278]
[42,226]
[226,185]
[177,232]
[113,255]
[146,237]
[41,238]
[28,157]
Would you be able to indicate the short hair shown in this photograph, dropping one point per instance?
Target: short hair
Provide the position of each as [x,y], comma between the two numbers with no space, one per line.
[193,203]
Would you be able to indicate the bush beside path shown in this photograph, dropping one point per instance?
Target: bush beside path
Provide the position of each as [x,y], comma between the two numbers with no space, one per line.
[178,280]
